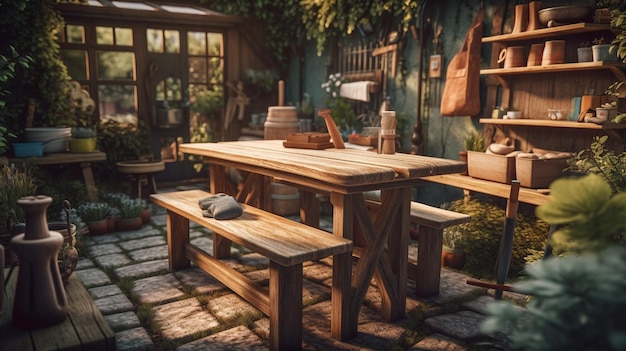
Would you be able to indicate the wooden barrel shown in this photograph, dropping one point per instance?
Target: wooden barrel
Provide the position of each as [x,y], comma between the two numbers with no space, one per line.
[285,200]
[281,120]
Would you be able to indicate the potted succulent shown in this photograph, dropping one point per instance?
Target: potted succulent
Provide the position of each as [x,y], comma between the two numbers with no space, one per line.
[83,140]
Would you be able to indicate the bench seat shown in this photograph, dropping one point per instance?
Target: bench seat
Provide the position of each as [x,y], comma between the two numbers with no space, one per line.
[286,243]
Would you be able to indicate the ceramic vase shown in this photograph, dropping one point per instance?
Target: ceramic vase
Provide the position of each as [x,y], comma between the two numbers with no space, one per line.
[39,294]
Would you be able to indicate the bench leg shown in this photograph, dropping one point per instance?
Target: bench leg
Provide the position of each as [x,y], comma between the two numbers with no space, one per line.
[285,289]
[429,249]
[177,238]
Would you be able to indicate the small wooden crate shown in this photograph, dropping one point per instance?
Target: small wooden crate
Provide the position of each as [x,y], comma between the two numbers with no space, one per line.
[539,173]
[497,168]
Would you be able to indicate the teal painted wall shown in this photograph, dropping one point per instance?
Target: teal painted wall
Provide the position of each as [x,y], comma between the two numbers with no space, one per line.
[443,136]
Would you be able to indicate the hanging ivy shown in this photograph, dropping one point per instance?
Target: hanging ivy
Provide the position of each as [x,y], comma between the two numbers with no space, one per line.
[289,22]
[325,19]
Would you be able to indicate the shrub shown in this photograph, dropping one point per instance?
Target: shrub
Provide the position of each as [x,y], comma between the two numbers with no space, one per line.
[480,238]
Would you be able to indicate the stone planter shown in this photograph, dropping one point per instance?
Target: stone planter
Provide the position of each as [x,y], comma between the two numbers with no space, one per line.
[585,54]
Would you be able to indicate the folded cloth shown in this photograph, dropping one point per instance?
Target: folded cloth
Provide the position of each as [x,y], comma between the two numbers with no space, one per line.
[220,206]
[356,90]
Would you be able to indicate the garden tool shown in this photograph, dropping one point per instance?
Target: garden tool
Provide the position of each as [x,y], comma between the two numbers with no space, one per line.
[506,245]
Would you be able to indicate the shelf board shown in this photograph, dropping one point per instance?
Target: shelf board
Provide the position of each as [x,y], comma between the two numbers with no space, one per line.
[616,67]
[551,123]
[568,29]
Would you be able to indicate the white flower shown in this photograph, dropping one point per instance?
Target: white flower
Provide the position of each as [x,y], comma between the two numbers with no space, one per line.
[331,77]
[338,83]
[334,94]
[328,89]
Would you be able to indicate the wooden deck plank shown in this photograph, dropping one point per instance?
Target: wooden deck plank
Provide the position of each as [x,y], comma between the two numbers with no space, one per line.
[83,329]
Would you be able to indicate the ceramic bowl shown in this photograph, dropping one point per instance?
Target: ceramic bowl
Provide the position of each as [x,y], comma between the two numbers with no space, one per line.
[554,16]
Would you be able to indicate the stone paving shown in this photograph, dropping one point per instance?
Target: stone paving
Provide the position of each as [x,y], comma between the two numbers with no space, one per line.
[151,308]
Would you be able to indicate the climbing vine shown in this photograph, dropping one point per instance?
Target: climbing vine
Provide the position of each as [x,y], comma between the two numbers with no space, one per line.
[289,22]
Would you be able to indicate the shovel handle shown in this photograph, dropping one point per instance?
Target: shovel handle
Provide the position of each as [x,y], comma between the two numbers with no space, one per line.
[332,129]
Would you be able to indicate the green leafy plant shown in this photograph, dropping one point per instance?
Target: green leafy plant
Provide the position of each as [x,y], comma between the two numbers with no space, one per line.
[260,81]
[577,303]
[15,183]
[577,300]
[96,211]
[122,142]
[208,103]
[83,133]
[590,218]
[480,237]
[599,159]
[474,141]
[33,32]
[8,65]
[126,207]
[340,109]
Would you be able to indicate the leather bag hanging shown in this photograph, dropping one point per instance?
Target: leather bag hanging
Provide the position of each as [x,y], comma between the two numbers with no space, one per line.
[461,93]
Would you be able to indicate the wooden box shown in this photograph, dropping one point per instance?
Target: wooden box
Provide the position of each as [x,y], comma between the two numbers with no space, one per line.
[539,173]
[497,168]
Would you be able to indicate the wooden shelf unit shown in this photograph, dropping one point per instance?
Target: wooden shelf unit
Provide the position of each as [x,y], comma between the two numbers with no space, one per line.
[615,67]
[545,33]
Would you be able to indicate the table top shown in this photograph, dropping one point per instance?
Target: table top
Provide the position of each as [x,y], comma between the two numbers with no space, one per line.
[341,167]
[62,158]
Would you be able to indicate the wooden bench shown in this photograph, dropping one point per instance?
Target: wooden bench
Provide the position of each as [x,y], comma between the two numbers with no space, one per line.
[83,329]
[429,235]
[431,221]
[286,243]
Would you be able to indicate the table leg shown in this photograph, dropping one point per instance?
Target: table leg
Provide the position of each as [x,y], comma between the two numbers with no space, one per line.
[219,184]
[309,208]
[92,191]
[387,230]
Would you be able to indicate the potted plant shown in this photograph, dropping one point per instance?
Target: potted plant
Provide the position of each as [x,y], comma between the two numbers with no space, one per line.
[340,109]
[474,141]
[96,215]
[83,140]
[600,50]
[452,254]
[584,52]
[128,210]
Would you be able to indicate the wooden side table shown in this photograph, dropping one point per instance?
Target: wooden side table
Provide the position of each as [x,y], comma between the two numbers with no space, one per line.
[84,159]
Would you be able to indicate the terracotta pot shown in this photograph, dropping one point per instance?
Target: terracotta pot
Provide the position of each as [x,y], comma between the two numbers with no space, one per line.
[98,227]
[145,216]
[453,258]
[124,225]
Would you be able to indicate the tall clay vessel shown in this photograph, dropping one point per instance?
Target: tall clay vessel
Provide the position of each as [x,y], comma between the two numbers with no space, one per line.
[39,295]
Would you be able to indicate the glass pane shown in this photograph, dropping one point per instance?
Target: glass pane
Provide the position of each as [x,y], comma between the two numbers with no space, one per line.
[197,70]
[155,40]
[76,63]
[75,34]
[173,86]
[197,43]
[172,41]
[216,71]
[124,36]
[115,65]
[160,91]
[215,44]
[104,35]
[118,102]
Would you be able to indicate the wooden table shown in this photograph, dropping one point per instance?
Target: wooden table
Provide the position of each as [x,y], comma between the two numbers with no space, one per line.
[83,329]
[344,174]
[84,159]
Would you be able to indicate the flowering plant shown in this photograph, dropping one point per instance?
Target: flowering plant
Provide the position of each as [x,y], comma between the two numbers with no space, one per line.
[95,211]
[340,109]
